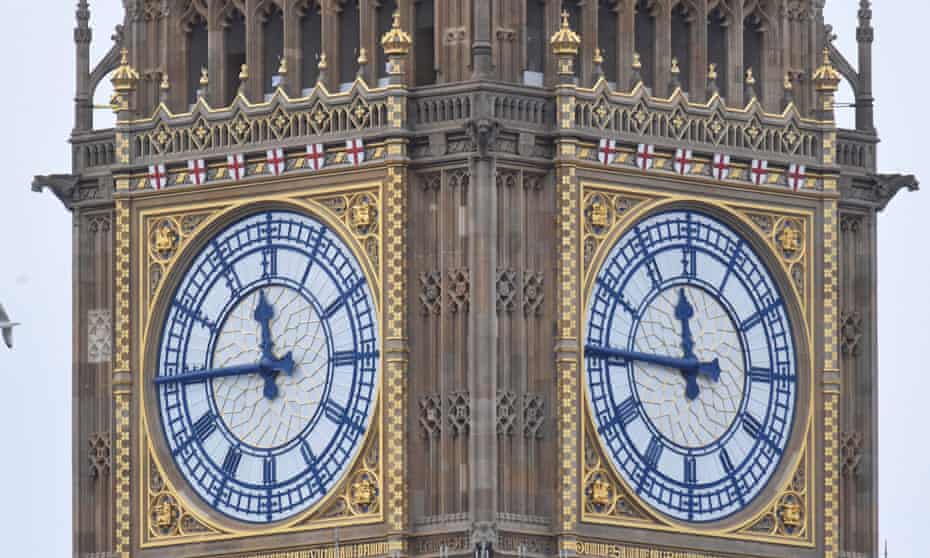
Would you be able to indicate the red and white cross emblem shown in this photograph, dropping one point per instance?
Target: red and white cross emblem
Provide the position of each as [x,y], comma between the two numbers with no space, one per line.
[316,156]
[197,169]
[236,165]
[759,171]
[684,160]
[645,156]
[721,166]
[796,176]
[158,177]
[607,151]
[276,161]
[355,151]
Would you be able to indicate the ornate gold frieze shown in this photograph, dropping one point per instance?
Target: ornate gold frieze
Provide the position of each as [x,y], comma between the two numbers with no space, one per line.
[279,119]
[602,110]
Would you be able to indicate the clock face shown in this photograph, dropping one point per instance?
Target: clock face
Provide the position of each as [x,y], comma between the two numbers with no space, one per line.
[268,366]
[690,363]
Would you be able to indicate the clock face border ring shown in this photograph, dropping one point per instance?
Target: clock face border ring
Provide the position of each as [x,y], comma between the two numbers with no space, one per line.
[149,405]
[805,404]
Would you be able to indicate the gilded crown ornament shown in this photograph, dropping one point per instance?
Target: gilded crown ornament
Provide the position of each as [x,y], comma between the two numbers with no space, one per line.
[826,77]
[565,41]
[396,41]
[125,76]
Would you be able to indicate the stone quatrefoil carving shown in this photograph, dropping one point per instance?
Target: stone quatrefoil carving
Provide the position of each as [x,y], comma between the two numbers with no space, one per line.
[458,410]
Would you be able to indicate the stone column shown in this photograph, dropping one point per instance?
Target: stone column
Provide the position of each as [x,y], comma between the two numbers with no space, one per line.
[865,35]
[481,43]
[482,320]
[83,101]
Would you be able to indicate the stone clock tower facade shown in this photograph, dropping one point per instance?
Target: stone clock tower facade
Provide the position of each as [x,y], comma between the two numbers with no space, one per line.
[522,278]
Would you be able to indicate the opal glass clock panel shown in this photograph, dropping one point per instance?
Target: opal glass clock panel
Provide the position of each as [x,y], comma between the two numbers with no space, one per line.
[691,366]
[268,366]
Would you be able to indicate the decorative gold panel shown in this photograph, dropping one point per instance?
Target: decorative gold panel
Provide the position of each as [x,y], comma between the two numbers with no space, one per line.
[790,514]
[359,213]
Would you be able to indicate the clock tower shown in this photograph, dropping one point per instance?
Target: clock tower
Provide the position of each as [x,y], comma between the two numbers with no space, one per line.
[535,278]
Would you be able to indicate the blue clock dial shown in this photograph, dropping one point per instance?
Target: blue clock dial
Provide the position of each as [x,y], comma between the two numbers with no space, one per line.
[268,366]
[691,366]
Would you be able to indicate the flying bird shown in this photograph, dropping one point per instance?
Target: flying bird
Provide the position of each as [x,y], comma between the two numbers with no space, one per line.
[6,326]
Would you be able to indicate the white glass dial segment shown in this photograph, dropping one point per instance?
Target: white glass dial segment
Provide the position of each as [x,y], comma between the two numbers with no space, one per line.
[268,366]
[691,366]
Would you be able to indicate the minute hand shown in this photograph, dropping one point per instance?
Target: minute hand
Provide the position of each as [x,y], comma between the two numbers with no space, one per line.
[710,369]
[199,375]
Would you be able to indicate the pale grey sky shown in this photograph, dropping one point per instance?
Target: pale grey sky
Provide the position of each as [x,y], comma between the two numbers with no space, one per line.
[35,273]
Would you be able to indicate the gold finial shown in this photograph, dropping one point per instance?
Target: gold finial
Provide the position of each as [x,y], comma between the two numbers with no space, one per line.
[565,41]
[362,57]
[598,57]
[675,68]
[323,64]
[282,67]
[637,61]
[787,83]
[712,72]
[826,77]
[165,84]
[244,72]
[204,77]
[125,76]
[396,41]
[750,79]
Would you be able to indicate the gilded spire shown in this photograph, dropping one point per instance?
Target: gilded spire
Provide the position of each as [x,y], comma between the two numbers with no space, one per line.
[282,67]
[204,77]
[565,41]
[322,64]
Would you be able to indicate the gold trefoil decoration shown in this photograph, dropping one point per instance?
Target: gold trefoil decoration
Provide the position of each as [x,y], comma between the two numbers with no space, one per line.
[165,240]
[790,239]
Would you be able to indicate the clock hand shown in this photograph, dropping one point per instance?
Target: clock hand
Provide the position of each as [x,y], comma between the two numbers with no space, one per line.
[199,375]
[270,365]
[710,369]
[684,312]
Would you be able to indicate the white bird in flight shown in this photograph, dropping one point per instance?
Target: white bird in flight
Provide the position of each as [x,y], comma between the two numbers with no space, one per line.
[6,326]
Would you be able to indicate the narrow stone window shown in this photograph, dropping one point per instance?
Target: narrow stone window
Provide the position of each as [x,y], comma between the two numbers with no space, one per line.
[753,42]
[310,35]
[607,26]
[348,42]
[645,32]
[717,46]
[385,17]
[535,42]
[196,46]
[235,53]
[273,47]
[424,42]
[681,44]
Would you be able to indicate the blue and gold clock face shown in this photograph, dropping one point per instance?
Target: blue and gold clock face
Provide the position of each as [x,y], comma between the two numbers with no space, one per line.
[691,367]
[268,366]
